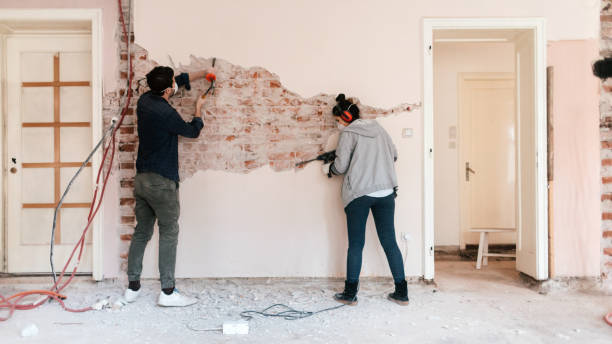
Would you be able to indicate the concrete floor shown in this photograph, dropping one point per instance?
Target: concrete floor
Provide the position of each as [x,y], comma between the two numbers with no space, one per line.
[466,306]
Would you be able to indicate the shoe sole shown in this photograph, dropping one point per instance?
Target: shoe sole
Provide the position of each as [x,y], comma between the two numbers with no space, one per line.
[401,303]
[348,303]
[191,304]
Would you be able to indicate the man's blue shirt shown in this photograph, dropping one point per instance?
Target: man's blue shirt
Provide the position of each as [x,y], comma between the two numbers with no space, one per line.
[159,125]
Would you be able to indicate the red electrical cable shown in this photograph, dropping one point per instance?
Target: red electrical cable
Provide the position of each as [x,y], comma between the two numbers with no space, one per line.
[6,303]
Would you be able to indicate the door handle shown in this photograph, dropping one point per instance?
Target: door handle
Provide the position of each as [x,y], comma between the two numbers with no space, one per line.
[468,170]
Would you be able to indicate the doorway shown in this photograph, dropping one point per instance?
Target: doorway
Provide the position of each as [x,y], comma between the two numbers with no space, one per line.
[486,166]
[51,106]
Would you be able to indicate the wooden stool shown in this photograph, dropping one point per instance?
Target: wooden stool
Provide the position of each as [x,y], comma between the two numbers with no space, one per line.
[483,245]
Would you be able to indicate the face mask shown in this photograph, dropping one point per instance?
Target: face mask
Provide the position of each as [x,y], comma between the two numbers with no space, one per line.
[175,89]
[340,126]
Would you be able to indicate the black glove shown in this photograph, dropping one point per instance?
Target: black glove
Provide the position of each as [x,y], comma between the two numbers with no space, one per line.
[183,80]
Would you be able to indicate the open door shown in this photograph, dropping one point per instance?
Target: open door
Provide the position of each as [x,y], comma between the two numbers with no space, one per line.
[531,218]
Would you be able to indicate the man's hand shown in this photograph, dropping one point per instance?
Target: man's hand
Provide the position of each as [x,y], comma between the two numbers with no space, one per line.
[202,73]
[199,103]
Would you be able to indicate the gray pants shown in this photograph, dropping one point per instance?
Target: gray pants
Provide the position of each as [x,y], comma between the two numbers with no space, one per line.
[156,198]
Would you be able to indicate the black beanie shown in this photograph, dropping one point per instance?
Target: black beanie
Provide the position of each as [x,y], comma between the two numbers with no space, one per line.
[160,78]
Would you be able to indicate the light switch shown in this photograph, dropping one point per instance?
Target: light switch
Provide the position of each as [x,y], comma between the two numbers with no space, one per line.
[407,132]
[452,132]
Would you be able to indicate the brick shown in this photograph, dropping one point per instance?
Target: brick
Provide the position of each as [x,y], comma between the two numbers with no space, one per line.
[130,36]
[606,162]
[127,147]
[126,237]
[606,197]
[607,234]
[606,180]
[275,84]
[129,183]
[127,201]
[127,219]
[281,156]
[123,256]
[607,251]
[127,165]
[251,164]
[127,130]
[606,216]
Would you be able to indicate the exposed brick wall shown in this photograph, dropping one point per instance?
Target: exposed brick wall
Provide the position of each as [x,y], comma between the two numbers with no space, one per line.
[605,126]
[250,122]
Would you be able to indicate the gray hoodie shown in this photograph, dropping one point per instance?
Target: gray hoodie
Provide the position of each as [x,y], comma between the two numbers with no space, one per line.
[365,155]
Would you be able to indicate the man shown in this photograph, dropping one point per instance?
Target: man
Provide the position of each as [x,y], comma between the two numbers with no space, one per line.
[156,182]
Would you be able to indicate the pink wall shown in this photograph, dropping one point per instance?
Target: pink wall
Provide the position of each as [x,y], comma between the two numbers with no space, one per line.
[576,186]
[379,60]
[109,22]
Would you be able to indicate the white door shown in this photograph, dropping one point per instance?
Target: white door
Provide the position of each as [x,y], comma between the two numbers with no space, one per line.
[487,156]
[48,136]
[532,240]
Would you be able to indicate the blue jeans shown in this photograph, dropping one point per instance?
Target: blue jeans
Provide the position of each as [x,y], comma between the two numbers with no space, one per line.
[383,210]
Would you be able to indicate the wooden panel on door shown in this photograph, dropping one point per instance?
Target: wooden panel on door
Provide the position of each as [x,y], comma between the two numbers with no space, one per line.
[49,136]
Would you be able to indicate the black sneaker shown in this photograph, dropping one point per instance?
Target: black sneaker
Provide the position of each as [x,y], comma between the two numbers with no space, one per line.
[400,296]
[349,295]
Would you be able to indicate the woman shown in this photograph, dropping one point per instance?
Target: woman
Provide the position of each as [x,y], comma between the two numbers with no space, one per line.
[365,156]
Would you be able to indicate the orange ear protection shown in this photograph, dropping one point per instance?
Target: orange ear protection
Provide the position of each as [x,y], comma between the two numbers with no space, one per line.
[346,115]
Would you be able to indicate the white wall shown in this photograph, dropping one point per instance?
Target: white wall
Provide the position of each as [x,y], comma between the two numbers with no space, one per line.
[366,49]
[450,59]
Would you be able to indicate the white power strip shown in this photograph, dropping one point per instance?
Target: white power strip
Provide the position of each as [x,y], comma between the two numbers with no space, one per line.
[236,327]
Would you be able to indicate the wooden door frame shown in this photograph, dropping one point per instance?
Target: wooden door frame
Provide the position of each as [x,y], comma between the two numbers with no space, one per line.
[538,27]
[462,78]
[94,16]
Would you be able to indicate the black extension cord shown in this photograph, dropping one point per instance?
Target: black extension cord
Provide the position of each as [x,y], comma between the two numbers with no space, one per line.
[285,312]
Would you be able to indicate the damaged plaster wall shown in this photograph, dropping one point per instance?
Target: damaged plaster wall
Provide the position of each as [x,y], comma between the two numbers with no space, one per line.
[251,122]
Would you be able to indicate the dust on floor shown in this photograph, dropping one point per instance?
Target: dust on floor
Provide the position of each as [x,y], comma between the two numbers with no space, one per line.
[466,306]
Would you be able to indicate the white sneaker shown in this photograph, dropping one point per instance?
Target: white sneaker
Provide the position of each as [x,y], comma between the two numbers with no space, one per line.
[175,299]
[130,295]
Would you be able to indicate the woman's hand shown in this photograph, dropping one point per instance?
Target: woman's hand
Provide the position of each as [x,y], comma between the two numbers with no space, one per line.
[325,169]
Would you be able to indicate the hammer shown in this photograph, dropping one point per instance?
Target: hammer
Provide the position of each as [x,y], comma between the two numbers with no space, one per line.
[212,78]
